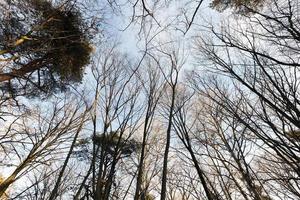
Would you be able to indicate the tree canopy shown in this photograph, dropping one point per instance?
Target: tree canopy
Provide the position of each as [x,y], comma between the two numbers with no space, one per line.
[177,102]
[241,6]
[44,47]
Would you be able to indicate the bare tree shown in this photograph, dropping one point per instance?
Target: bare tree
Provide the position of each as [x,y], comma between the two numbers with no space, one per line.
[171,74]
[259,63]
[152,89]
[36,136]
[117,112]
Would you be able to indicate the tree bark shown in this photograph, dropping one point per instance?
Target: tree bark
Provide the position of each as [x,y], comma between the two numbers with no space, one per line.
[165,162]
[29,67]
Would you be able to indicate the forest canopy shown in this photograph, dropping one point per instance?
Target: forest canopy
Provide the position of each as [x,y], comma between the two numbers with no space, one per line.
[44,46]
[177,100]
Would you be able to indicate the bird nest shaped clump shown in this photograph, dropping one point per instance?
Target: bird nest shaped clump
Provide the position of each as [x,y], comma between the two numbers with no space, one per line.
[61,33]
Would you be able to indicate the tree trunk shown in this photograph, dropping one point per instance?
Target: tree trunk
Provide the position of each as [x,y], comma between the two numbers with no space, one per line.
[29,67]
[54,192]
[165,162]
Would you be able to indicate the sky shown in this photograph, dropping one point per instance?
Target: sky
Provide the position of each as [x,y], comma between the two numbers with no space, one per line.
[165,16]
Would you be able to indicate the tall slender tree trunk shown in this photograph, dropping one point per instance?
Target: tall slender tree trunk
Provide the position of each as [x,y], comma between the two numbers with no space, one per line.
[98,193]
[54,192]
[166,153]
[209,194]
[142,156]
[12,178]
[6,183]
